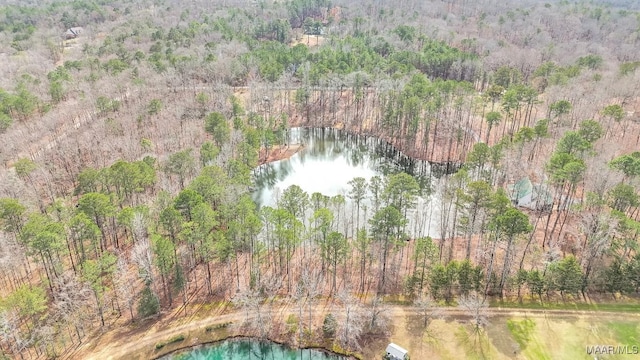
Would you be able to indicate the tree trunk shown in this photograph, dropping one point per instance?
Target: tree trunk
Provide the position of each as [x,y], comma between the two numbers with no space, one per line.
[506,265]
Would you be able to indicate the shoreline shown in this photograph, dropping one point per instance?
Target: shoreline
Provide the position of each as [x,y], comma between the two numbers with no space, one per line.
[413,153]
[440,150]
[256,339]
[282,152]
[278,152]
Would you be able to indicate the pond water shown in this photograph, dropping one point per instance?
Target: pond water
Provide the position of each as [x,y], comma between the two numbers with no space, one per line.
[247,349]
[331,158]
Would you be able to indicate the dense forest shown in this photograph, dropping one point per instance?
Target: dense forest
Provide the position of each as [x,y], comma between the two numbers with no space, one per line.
[129,146]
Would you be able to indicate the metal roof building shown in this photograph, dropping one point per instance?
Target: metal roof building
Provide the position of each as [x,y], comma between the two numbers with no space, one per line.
[396,352]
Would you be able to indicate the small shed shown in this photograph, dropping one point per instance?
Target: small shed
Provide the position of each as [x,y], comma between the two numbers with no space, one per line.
[396,352]
[531,196]
[72,33]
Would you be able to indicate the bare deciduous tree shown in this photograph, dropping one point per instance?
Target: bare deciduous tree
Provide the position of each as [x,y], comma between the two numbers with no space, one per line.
[351,322]
[44,338]
[142,256]
[12,257]
[10,333]
[427,310]
[377,316]
[257,318]
[71,300]
[309,287]
[139,226]
[125,283]
[476,307]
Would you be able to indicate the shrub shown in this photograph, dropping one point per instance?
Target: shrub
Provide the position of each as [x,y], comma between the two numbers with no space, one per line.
[329,326]
[217,326]
[173,340]
[292,324]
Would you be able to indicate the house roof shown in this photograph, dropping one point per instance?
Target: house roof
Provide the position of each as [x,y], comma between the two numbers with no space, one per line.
[542,195]
[525,193]
[73,32]
[396,351]
[520,189]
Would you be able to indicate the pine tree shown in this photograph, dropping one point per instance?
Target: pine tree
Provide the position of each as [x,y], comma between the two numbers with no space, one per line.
[149,303]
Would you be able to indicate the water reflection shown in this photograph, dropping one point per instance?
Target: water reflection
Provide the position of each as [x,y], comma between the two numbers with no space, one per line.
[247,349]
[331,158]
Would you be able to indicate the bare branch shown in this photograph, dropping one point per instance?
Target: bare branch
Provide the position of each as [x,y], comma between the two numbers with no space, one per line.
[476,307]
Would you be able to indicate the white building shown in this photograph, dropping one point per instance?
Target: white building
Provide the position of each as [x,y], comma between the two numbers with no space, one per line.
[395,352]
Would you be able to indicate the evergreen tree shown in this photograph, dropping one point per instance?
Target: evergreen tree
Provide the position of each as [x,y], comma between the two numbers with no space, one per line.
[565,276]
[149,304]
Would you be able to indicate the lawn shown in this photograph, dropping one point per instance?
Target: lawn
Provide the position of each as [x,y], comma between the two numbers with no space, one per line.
[627,306]
[519,336]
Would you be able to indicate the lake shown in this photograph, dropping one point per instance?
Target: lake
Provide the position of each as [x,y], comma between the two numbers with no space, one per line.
[331,158]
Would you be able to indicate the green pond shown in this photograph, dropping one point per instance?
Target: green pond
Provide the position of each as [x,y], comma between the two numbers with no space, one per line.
[247,349]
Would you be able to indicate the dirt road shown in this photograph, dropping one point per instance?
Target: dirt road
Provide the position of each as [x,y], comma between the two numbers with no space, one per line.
[118,343]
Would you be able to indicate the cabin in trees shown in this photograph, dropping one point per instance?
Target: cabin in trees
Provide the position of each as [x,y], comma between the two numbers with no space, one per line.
[72,33]
[531,196]
[396,352]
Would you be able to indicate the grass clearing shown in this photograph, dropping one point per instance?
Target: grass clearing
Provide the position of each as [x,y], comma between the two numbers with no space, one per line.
[632,307]
[569,339]
[521,330]
[476,343]
[516,336]
[624,332]
[524,333]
